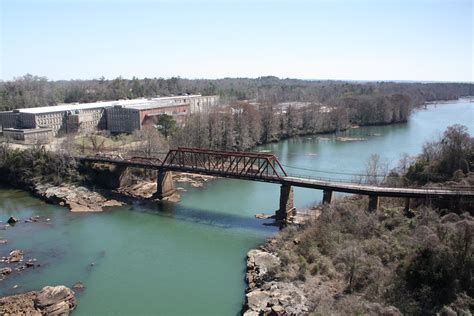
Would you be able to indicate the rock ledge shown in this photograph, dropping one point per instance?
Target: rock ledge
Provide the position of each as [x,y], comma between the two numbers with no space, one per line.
[51,300]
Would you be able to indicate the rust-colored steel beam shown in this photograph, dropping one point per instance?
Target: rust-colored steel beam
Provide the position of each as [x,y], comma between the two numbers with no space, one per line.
[247,164]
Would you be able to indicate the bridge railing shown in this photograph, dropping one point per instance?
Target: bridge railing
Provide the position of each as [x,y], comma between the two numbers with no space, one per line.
[459,188]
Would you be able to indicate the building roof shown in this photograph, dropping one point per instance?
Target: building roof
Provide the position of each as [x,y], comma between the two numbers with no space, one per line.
[139,104]
[27,130]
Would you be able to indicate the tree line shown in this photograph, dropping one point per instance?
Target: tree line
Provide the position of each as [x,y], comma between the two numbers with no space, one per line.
[34,91]
[242,125]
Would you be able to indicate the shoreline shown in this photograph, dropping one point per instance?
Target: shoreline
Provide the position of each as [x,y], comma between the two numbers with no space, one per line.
[83,198]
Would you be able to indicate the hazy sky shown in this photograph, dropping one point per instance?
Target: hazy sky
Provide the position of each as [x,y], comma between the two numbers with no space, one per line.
[366,40]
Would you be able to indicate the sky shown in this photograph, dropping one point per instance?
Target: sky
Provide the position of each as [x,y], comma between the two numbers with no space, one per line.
[416,40]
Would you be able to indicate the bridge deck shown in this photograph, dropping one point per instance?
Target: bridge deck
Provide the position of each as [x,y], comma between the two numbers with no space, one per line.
[354,188]
[366,189]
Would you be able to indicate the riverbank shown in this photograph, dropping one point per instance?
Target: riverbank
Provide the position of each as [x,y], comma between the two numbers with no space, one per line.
[79,197]
[348,261]
[50,300]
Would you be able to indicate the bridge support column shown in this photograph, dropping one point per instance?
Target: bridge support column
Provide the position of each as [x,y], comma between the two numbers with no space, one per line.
[373,203]
[407,205]
[164,185]
[327,196]
[407,211]
[286,203]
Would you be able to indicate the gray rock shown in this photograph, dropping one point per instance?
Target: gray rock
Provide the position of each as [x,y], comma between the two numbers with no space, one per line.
[12,220]
[259,264]
[251,313]
[15,256]
[278,310]
[78,286]
[258,300]
[5,271]
[29,264]
[55,300]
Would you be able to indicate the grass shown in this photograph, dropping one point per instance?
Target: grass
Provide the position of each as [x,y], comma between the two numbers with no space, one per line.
[107,143]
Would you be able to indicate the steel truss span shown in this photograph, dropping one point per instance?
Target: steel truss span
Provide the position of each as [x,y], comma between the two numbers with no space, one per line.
[263,167]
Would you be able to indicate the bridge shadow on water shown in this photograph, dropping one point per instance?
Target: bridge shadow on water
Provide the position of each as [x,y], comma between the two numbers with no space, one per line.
[204,217]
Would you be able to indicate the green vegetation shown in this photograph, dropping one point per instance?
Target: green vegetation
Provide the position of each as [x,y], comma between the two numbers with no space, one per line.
[166,125]
[36,165]
[449,158]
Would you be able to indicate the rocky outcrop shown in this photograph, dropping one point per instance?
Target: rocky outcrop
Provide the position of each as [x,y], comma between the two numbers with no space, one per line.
[12,220]
[55,300]
[147,189]
[4,272]
[276,298]
[78,199]
[266,296]
[15,256]
[51,300]
[259,263]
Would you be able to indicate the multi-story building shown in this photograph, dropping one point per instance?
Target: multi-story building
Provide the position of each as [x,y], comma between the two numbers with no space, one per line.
[8,119]
[116,116]
[126,118]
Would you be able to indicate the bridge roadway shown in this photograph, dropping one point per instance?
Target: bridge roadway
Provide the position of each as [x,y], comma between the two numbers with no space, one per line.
[297,181]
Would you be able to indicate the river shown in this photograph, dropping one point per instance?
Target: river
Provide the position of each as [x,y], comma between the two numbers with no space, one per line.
[189,258]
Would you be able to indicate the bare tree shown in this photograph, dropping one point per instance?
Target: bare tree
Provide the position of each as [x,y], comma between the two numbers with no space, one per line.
[376,170]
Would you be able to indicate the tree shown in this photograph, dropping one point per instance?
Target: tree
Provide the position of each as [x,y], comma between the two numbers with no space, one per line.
[166,125]
[150,142]
[376,170]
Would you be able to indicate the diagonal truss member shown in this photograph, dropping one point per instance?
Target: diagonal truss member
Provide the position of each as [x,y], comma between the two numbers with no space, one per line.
[242,164]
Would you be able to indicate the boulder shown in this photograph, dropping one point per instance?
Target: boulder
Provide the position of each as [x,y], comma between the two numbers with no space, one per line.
[12,220]
[15,256]
[55,300]
[29,264]
[258,300]
[112,203]
[5,271]
[259,263]
[78,286]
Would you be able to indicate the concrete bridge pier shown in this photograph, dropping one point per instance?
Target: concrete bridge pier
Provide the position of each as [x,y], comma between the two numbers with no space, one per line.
[327,196]
[373,203]
[407,205]
[164,185]
[286,203]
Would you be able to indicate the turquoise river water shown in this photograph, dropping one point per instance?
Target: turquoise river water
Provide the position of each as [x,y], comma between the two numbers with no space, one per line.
[189,258]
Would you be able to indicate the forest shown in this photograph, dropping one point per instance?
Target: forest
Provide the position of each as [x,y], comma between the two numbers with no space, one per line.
[34,91]
[254,111]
